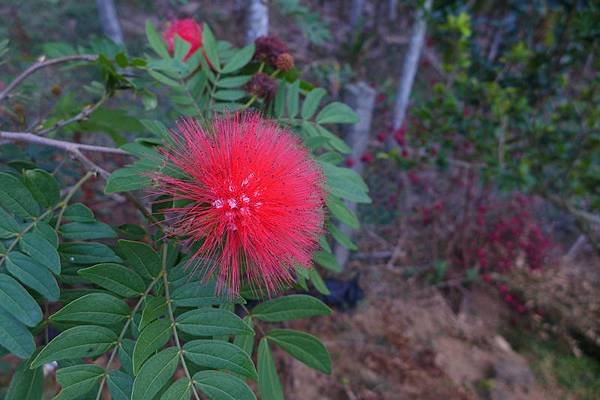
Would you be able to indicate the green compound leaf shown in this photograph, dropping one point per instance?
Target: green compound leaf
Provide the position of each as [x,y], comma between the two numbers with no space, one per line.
[26,384]
[16,198]
[152,338]
[93,308]
[291,307]
[33,274]
[155,374]
[304,347]
[15,337]
[218,354]
[269,385]
[80,341]
[212,322]
[15,300]
[221,386]
[77,380]
[116,278]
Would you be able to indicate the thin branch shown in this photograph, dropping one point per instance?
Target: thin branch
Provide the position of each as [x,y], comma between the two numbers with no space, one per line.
[83,115]
[75,150]
[59,144]
[124,332]
[43,64]
[172,318]
[92,166]
[69,196]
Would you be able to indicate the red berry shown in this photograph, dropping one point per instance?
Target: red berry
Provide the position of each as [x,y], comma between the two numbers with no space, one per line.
[367,158]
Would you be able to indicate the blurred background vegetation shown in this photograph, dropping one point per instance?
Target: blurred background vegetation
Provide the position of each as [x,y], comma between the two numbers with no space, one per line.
[476,273]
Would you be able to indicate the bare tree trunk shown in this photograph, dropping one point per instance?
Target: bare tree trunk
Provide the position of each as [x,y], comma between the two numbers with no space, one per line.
[361,97]
[392,9]
[356,12]
[109,20]
[257,20]
[409,69]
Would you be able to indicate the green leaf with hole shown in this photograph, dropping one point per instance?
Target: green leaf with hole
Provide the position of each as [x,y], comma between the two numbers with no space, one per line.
[93,308]
[287,308]
[15,300]
[303,347]
[116,278]
[77,380]
[155,374]
[218,354]
[221,386]
[76,342]
[151,338]
[269,385]
[154,308]
[212,322]
[33,274]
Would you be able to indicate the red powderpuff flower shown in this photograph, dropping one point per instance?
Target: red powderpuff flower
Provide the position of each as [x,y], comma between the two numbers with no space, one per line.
[256,199]
[188,30]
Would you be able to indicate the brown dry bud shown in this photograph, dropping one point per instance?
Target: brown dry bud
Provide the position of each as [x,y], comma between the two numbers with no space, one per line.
[19,109]
[268,48]
[262,86]
[56,90]
[285,62]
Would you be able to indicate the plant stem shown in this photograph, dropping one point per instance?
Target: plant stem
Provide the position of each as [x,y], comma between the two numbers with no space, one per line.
[172,318]
[33,223]
[123,332]
[43,64]
[63,204]
[59,144]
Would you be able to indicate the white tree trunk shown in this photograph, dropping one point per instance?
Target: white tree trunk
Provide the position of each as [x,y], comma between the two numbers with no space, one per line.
[356,12]
[361,97]
[409,69]
[392,9]
[257,20]
[109,20]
